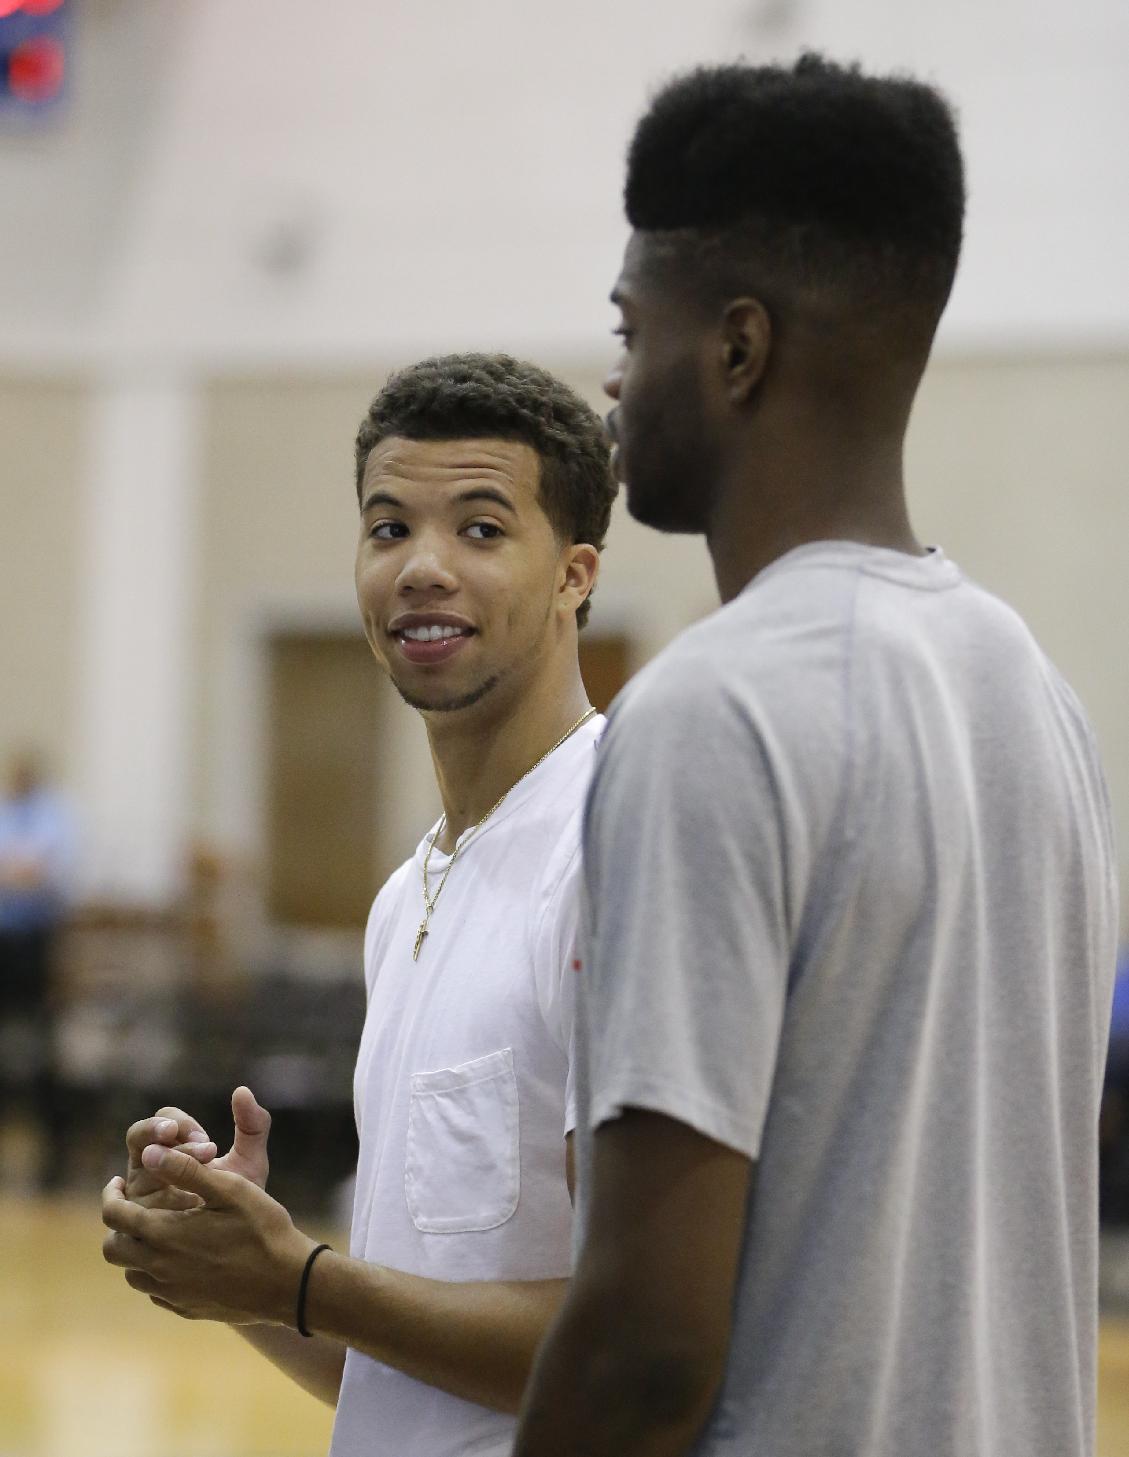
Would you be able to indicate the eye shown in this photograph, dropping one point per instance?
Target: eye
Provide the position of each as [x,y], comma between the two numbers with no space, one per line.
[484,531]
[624,333]
[388,530]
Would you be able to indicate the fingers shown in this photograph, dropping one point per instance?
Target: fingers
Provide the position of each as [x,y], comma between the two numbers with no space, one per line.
[248,1155]
[139,1280]
[121,1214]
[168,1126]
[203,1153]
[124,1252]
[252,1122]
[181,1171]
[172,1309]
[123,1219]
[189,1130]
[160,1196]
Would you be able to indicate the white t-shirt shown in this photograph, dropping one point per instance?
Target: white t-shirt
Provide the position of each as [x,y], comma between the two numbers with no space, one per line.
[850,867]
[463,1088]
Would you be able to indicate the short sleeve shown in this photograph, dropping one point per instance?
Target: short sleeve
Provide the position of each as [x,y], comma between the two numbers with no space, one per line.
[555,960]
[697,851]
[381,917]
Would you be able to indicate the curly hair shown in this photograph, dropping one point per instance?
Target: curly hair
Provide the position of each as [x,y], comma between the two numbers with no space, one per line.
[835,175]
[476,396]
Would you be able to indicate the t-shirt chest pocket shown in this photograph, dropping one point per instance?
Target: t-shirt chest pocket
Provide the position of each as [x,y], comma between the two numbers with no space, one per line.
[462,1168]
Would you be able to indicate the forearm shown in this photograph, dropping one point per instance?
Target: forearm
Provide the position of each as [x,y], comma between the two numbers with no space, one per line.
[606,1387]
[315,1364]
[476,1340]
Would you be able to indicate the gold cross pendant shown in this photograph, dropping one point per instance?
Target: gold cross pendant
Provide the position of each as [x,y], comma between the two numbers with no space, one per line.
[420,934]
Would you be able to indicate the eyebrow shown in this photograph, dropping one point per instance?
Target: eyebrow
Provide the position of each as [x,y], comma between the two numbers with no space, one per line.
[381,498]
[487,493]
[475,493]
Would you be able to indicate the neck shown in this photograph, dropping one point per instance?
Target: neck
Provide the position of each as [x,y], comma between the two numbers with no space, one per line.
[480,753]
[841,490]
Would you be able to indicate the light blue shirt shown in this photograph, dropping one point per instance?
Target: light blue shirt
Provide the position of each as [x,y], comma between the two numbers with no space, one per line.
[36,826]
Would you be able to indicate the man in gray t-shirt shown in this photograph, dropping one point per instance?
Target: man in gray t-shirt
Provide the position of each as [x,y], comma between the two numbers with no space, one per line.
[849,868]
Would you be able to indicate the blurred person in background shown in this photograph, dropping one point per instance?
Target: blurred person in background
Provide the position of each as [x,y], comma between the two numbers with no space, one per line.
[848,854]
[37,849]
[485,492]
[1115,1105]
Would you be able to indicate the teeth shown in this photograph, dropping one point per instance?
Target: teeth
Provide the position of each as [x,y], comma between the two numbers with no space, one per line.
[431,634]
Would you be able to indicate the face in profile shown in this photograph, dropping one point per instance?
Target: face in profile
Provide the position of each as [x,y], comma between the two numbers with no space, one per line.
[663,453]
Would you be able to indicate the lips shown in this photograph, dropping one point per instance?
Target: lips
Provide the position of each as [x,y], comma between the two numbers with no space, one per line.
[427,638]
[438,650]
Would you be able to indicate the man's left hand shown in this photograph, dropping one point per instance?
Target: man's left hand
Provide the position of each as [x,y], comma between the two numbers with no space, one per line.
[237,1257]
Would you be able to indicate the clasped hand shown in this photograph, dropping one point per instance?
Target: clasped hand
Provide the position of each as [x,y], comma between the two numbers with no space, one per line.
[199,1234]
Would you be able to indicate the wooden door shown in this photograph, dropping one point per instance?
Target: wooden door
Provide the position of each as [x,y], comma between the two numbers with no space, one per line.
[323,826]
[605,664]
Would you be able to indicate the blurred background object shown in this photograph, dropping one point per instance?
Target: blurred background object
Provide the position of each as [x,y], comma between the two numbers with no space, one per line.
[37,853]
[226,223]
[33,58]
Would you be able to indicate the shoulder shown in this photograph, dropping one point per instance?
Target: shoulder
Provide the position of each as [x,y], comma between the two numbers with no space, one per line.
[556,878]
[382,915]
[763,668]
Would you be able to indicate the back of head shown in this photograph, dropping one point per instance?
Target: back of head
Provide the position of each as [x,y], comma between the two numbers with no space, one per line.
[494,396]
[806,178]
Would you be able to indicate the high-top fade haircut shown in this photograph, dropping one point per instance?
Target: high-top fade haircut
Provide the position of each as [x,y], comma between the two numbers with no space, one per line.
[494,396]
[825,178]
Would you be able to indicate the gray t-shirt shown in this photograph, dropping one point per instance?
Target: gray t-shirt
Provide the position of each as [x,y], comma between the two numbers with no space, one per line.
[851,910]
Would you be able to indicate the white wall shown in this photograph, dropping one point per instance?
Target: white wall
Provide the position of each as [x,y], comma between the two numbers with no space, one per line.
[41,563]
[254,181]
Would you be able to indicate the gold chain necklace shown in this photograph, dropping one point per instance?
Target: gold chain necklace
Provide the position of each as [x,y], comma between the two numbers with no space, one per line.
[431,901]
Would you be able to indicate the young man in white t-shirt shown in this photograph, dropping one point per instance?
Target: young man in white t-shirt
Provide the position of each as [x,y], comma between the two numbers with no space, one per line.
[848,855]
[485,491]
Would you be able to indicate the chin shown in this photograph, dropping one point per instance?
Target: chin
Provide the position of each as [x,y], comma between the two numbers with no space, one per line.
[665,512]
[438,701]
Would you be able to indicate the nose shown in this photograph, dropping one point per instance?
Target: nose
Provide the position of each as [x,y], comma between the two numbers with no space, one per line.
[425,569]
[613,380]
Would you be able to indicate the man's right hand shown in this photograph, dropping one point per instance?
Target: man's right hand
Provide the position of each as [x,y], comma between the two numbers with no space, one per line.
[173,1128]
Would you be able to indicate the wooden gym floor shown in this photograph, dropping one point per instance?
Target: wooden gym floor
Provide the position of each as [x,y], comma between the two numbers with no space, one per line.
[88,1368]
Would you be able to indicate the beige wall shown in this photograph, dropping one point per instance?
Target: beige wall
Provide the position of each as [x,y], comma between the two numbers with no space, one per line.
[1017,467]
[42,526]
[276,537]
[1020,470]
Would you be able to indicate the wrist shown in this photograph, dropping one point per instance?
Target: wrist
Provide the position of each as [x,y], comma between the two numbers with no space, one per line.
[301,1318]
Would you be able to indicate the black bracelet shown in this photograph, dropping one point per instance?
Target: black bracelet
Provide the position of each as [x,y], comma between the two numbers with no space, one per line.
[303,1285]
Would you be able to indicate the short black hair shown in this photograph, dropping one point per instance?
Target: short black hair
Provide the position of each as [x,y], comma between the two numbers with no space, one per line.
[832,175]
[480,396]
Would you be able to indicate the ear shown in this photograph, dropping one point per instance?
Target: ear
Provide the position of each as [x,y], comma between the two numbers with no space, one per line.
[746,341]
[579,568]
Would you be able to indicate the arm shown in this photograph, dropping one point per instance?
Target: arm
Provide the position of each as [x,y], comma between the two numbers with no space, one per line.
[239,1259]
[475,1340]
[315,1364]
[632,1366]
